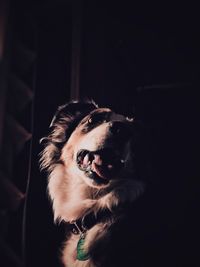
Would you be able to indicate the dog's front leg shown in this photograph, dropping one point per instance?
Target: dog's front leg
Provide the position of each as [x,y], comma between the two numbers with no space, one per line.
[125,192]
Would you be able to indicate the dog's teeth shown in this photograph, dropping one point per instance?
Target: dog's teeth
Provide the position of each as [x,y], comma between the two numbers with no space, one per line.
[86,160]
[97,159]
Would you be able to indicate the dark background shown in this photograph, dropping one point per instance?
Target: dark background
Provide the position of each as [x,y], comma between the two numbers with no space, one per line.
[141,59]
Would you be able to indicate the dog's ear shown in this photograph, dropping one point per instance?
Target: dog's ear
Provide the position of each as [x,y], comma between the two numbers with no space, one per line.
[66,119]
[64,122]
[74,109]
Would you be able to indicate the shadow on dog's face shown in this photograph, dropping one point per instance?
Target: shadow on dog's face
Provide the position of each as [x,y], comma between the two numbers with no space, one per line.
[98,149]
[92,144]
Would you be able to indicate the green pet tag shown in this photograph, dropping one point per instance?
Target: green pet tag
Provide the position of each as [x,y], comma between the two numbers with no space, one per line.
[82,255]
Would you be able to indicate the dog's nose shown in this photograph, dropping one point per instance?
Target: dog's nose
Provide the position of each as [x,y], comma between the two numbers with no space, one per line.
[116,127]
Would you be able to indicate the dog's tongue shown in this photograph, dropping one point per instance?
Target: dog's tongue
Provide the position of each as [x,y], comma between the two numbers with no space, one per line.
[97,164]
[104,163]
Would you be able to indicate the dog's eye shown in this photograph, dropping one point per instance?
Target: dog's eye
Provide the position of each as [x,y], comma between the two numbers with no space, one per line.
[96,119]
[129,119]
[90,121]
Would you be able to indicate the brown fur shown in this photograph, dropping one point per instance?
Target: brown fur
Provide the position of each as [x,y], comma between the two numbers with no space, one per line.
[73,194]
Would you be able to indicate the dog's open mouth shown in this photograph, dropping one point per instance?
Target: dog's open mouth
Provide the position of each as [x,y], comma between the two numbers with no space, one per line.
[100,165]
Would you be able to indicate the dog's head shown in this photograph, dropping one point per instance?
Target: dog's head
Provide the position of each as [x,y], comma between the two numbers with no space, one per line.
[92,143]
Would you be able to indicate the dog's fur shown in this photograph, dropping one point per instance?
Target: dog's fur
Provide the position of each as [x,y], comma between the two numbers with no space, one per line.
[78,191]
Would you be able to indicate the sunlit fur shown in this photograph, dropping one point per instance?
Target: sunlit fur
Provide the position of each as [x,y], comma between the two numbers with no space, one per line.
[72,193]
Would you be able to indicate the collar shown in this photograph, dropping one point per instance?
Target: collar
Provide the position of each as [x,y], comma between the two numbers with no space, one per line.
[84,224]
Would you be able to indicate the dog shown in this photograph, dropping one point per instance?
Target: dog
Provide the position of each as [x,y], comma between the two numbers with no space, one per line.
[91,179]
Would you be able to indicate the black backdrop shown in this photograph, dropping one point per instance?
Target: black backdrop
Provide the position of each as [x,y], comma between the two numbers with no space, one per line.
[140,59]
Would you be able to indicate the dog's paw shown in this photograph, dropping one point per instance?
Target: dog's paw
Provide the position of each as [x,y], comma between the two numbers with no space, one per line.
[126,193]
[108,201]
